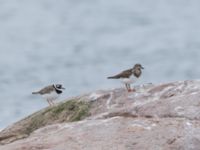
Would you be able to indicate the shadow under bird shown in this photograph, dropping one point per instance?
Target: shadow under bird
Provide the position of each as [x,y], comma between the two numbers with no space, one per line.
[129,76]
[51,92]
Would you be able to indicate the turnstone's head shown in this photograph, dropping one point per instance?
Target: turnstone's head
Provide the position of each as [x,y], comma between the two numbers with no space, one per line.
[138,66]
[59,87]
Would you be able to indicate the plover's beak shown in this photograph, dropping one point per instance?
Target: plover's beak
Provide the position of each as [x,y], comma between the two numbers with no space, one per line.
[142,67]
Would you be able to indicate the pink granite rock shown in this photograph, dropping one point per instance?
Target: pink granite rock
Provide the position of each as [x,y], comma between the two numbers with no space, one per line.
[155,117]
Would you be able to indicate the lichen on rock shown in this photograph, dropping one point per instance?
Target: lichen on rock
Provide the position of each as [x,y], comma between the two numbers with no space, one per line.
[69,111]
[164,116]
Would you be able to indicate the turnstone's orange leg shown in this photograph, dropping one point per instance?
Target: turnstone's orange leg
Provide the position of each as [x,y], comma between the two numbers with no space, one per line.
[127,87]
[130,90]
[133,90]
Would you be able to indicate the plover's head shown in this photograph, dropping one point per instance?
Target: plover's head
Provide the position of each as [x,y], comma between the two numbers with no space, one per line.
[59,87]
[138,66]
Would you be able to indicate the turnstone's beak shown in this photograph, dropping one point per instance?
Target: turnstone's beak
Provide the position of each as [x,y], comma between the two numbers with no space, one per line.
[142,67]
[63,88]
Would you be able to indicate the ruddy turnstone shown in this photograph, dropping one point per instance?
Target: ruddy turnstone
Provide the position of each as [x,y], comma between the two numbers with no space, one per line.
[129,76]
[51,92]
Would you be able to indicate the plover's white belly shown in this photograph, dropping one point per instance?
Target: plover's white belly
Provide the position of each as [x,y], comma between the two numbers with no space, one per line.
[130,80]
[51,96]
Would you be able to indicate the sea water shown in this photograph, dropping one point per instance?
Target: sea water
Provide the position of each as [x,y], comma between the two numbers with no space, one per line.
[79,43]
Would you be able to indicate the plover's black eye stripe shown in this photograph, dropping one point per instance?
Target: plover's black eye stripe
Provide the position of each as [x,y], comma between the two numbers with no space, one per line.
[59,86]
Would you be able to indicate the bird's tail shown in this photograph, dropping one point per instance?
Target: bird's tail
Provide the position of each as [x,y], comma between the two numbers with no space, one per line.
[35,92]
[113,77]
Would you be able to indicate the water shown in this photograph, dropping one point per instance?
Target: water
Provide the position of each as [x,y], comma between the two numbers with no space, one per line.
[79,43]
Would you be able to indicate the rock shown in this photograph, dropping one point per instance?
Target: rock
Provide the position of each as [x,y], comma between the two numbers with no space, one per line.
[155,117]
[73,110]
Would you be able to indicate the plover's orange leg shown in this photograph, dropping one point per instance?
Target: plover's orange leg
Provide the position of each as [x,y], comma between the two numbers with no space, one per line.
[52,103]
[49,102]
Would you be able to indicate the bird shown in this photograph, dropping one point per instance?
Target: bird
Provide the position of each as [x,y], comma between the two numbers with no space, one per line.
[51,92]
[129,76]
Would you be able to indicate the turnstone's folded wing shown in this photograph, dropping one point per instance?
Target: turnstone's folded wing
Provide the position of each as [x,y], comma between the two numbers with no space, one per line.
[124,74]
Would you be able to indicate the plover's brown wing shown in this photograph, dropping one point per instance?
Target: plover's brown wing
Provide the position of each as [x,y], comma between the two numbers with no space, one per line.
[124,74]
[45,90]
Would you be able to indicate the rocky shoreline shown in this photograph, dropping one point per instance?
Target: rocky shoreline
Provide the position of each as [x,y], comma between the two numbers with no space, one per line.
[164,116]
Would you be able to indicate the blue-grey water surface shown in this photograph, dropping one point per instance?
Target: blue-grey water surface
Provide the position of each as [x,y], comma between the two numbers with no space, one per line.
[80,42]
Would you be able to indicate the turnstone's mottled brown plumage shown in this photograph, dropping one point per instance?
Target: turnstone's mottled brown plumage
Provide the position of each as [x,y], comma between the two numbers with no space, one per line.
[129,76]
